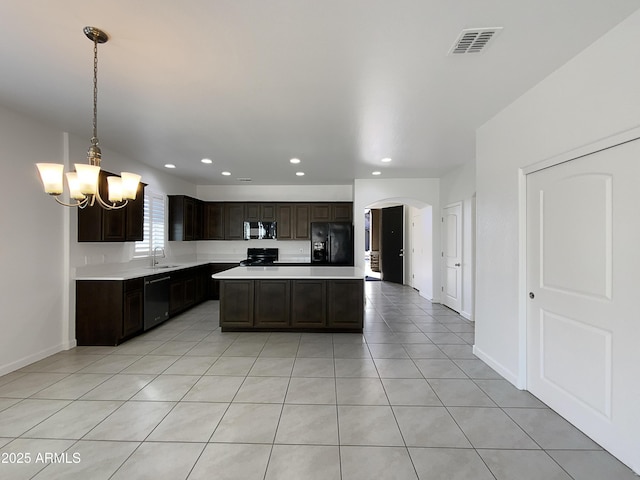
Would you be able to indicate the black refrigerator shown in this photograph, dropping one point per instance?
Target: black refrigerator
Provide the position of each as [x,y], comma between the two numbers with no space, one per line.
[332,243]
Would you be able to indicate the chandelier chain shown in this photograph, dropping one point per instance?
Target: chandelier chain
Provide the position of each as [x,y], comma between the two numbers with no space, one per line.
[94,139]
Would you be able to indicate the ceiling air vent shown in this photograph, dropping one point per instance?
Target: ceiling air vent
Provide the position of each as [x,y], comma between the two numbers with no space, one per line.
[473,40]
[244,179]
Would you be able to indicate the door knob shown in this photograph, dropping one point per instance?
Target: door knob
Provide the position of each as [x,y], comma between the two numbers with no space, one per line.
[457,265]
[531,295]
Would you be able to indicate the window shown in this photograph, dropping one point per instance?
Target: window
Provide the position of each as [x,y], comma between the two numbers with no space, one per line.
[153,228]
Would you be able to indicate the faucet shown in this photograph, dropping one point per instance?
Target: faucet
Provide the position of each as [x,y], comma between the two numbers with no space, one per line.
[154,259]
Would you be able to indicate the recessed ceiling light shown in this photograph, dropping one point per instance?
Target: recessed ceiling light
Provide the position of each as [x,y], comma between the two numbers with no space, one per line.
[206,160]
[294,160]
[385,160]
[226,174]
[300,174]
[376,173]
[169,165]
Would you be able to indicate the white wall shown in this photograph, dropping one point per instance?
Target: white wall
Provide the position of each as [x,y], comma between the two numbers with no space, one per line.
[39,253]
[417,192]
[594,96]
[31,245]
[459,185]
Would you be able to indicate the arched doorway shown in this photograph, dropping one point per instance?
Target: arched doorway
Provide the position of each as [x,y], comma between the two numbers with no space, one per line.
[399,242]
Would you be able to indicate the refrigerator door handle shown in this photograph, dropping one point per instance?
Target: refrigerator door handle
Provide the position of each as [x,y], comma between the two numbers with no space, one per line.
[329,259]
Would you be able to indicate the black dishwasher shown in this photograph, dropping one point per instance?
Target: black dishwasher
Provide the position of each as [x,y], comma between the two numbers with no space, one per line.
[156,300]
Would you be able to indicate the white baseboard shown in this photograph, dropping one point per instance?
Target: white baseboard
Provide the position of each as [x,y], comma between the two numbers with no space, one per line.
[498,367]
[73,343]
[467,315]
[29,359]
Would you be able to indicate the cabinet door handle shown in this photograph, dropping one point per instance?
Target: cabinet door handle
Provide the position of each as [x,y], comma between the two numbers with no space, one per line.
[149,282]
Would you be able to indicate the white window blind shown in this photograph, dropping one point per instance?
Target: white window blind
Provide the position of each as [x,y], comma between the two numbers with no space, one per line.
[153,227]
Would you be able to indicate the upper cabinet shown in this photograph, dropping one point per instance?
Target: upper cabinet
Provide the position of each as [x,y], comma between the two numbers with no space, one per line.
[234,216]
[192,219]
[293,221]
[95,224]
[213,221]
[320,212]
[332,212]
[185,218]
[342,212]
[260,212]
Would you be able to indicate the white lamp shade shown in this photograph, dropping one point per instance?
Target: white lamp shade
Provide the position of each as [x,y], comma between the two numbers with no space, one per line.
[74,186]
[115,189]
[130,183]
[88,178]
[51,176]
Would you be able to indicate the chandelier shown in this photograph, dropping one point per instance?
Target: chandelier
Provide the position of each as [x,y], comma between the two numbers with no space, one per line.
[83,184]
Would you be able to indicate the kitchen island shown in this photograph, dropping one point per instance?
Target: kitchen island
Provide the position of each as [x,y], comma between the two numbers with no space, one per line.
[292,298]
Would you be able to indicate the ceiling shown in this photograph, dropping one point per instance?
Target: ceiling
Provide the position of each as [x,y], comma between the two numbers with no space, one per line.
[339,84]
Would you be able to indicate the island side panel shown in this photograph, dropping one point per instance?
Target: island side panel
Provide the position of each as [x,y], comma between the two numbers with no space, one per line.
[345,300]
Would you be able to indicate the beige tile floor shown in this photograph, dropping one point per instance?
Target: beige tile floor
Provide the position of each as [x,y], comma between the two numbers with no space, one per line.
[406,400]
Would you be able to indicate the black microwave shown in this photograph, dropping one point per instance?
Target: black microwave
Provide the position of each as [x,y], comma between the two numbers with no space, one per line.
[259,230]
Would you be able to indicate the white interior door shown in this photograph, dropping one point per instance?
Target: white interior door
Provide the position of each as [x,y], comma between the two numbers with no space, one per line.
[583,325]
[417,255]
[452,256]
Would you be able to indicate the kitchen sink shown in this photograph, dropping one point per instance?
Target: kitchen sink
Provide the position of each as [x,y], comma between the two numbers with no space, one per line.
[164,266]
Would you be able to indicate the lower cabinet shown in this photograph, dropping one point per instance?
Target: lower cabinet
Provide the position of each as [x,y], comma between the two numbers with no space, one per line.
[272,300]
[187,288]
[292,304]
[309,303]
[237,308]
[214,285]
[108,311]
[345,299]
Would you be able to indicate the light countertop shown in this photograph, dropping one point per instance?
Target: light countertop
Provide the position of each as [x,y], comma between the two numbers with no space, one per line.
[293,272]
[140,271]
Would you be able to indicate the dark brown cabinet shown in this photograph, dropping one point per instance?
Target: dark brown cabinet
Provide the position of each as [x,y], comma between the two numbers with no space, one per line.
[108,311]
[133,308]
[301,224]
[185,218]
[192,219]
[321,212]
[293,221]
[234,216]
[292,304]
[260,212]
[308,303]
[332,212]
[272,303]
[187,288]
[237,309]
[214,285]
[285,219]
[345,299]
[213,221]
[95,224]
[342,212]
